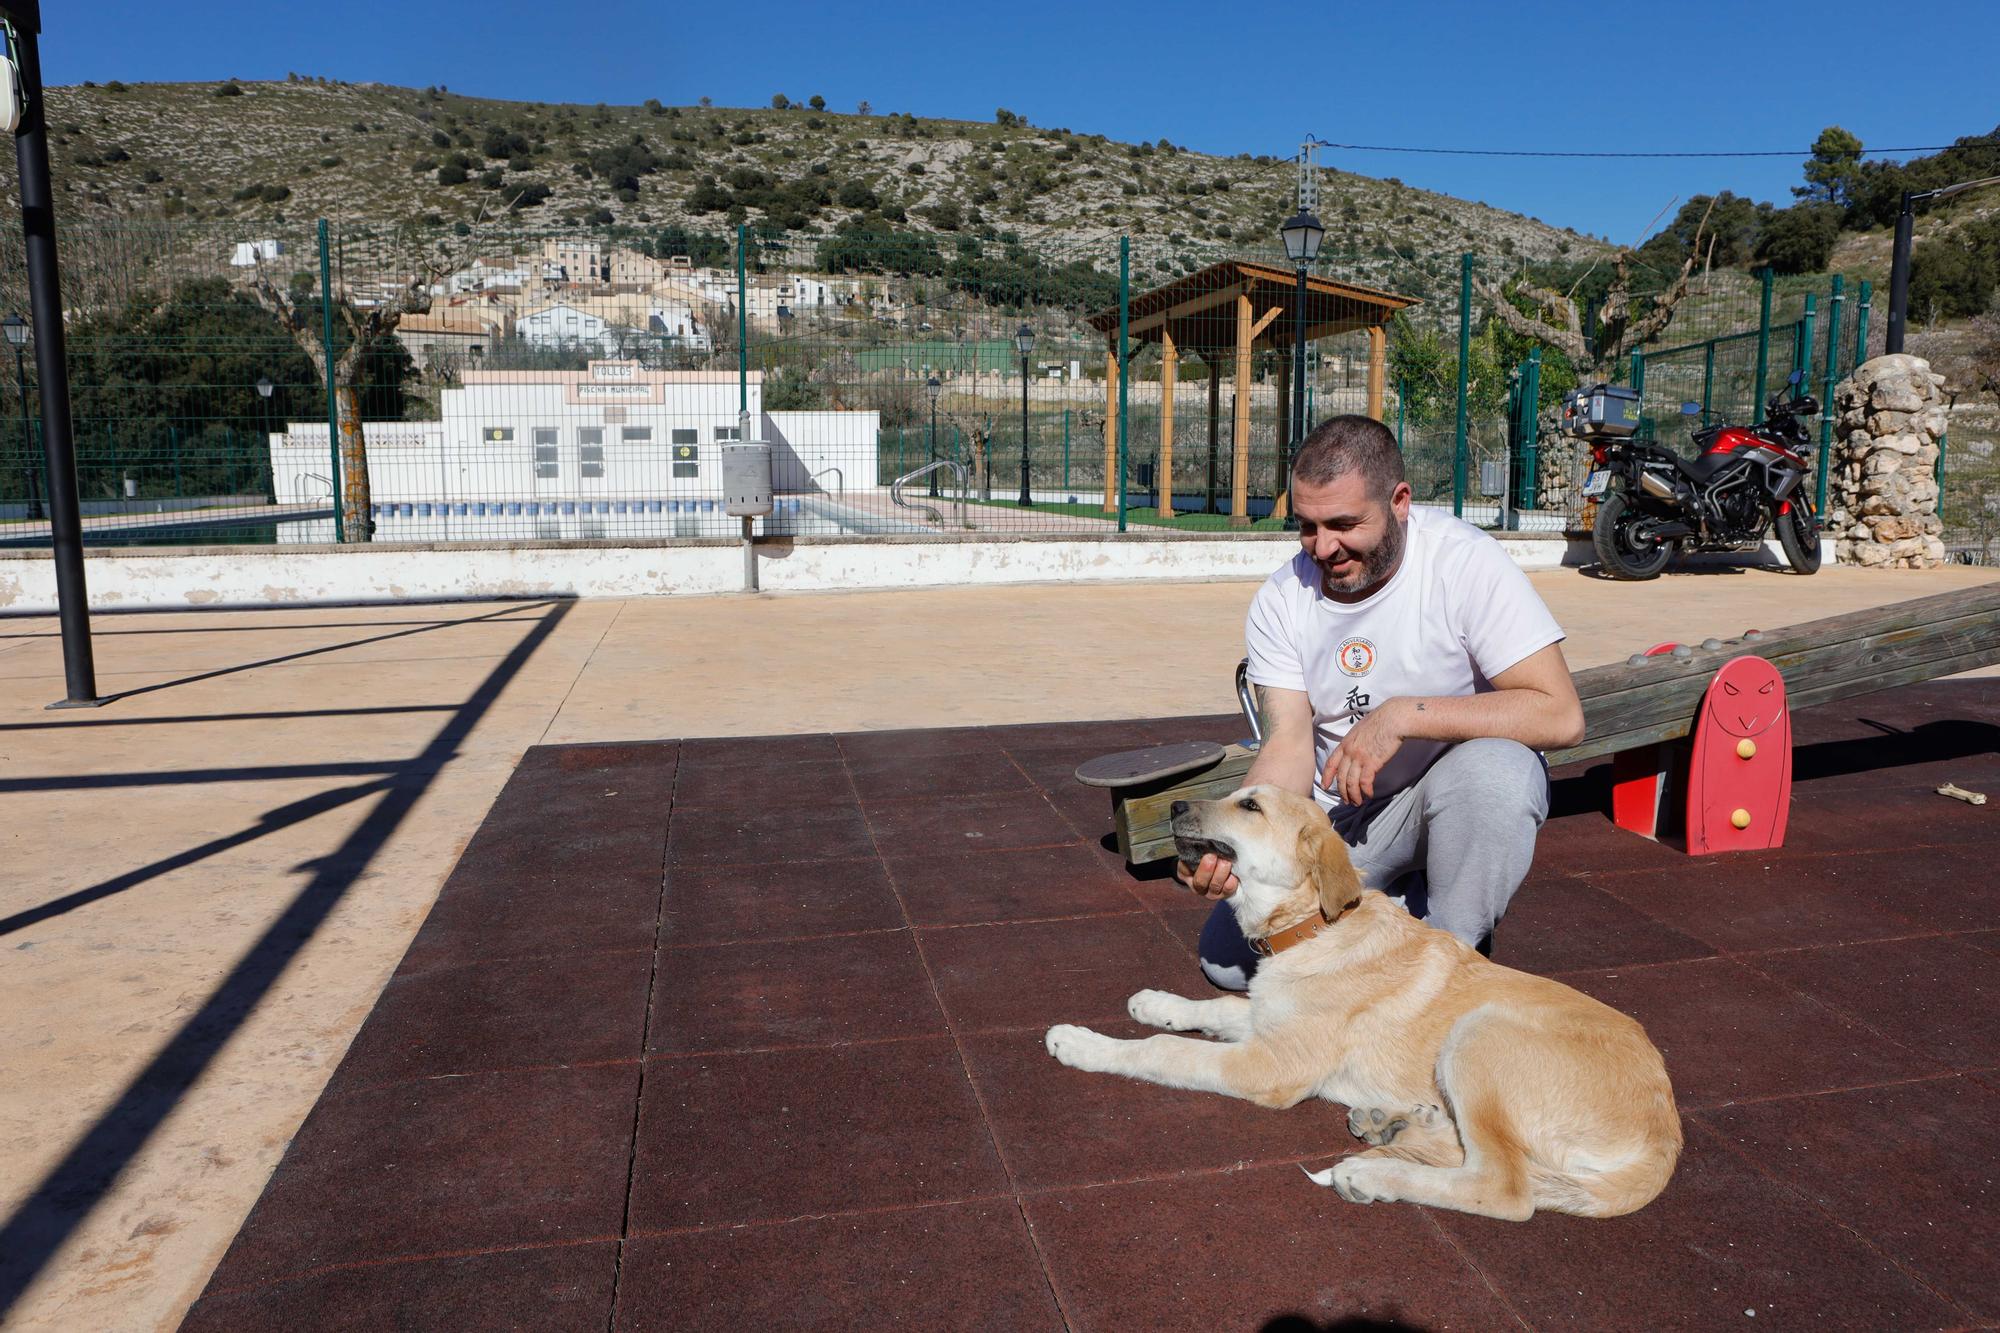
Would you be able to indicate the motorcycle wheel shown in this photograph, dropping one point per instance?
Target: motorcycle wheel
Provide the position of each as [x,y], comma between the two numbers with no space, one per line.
[1798,533]
[1620,556]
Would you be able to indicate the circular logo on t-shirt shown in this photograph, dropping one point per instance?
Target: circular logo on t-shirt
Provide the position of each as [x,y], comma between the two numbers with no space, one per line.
[1355,657]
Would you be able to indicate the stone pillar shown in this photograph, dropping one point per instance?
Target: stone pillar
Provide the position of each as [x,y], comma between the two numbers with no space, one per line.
[1882,488]
[1560,466]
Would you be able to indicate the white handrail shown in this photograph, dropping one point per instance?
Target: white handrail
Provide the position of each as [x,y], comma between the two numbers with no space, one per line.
[842,492]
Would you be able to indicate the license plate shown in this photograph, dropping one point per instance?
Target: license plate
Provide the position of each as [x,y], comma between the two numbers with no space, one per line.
[1596,483]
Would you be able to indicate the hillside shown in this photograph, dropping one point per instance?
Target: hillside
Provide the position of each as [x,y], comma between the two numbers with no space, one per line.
[305,148]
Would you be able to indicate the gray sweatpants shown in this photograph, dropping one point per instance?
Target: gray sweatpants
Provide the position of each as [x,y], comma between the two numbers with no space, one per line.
[1468,823]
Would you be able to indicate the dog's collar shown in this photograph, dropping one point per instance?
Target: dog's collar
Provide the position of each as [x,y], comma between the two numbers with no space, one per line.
[1307,929]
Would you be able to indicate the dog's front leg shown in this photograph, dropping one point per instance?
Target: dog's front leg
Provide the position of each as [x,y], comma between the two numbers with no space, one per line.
[1234,1069]
[1225,1016]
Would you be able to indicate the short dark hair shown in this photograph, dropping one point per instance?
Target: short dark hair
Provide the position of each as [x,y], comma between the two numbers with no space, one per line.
[1344,444]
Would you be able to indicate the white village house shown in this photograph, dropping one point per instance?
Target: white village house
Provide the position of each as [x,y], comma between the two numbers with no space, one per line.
[572,448]
[566,326]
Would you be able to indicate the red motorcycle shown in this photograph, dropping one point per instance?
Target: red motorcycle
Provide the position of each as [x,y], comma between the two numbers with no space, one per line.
[1653,502]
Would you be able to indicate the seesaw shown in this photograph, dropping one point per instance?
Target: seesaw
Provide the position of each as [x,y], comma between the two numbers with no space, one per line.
[1699,734]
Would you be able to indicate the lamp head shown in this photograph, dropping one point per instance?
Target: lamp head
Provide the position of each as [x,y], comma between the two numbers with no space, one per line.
[264,387]
[931,386]
[1025,340]
[16,329]
[1302,233]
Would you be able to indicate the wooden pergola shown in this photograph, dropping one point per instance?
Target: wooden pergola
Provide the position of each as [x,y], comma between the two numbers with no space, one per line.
[1234,308]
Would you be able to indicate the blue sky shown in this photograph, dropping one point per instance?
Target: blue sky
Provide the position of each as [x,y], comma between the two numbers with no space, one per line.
[1219,78]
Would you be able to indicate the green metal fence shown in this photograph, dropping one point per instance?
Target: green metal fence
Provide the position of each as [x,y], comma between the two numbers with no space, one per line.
[519,385]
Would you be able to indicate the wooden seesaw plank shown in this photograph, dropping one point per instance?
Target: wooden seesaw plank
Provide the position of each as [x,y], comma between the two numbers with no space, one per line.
[1628,704]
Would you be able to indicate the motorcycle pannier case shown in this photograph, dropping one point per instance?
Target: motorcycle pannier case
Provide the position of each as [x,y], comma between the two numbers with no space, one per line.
[1601,409]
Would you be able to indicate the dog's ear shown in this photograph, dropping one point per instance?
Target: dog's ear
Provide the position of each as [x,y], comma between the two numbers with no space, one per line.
[1329,871]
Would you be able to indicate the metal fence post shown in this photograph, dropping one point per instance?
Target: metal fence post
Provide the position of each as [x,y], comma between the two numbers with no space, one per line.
[1639,377]
[1802,346]
[1763,341]
[1826,396]
[1124,362]
[1531,435]
[1464,357]
[742,327]
[1861,323]
[332,391]
[1065,449]
[1401,396]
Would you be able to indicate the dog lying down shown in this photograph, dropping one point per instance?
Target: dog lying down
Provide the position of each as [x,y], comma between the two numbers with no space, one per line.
[1481,1088]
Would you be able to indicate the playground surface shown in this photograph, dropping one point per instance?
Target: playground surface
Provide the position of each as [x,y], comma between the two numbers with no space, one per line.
[212,881]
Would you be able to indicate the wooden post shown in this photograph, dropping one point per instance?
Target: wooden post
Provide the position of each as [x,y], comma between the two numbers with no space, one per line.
[1378,367]
[1239,472]
[1111,429]
[1170,360]
[1284,437]
[1213,365]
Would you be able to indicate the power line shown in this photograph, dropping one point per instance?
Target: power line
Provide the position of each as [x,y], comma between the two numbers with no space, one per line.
[1522,152]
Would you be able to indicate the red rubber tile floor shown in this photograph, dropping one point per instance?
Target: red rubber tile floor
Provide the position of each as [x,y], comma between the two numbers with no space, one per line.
[718,1034]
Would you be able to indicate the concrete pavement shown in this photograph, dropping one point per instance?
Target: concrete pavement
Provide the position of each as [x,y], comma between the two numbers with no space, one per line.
[204,885]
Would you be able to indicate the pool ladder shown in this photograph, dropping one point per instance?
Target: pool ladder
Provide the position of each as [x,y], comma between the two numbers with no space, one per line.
[958,469]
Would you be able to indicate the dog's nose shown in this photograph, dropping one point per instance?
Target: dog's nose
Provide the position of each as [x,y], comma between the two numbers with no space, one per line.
[1177,809]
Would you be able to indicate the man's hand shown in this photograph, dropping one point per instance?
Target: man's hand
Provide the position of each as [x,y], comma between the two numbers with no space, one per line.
[1212,879]
[1368,745]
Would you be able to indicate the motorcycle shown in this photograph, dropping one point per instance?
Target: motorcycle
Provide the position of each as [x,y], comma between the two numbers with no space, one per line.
[1655,503]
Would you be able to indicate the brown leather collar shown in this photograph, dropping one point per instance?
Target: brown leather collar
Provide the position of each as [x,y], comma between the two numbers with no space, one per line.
[1299,934]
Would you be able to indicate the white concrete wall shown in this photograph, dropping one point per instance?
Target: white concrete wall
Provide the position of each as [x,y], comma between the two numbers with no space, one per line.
[292,576]
[804,444]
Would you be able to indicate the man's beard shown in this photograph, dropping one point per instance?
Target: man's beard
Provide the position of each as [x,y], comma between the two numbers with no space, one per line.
[1376,566]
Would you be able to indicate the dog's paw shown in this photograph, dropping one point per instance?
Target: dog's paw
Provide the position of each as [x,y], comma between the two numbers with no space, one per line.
[1372,1124]
[1156,1008]
[1079,1048]
[1356,1179]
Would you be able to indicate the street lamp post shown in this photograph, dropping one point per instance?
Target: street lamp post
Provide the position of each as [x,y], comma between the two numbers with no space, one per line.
[1302,233]
[931,386]
[1899,263]
[264,389]
[16,329]
[1025,340]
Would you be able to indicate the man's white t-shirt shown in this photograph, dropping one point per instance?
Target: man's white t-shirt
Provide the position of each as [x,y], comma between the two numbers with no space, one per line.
[1456,613]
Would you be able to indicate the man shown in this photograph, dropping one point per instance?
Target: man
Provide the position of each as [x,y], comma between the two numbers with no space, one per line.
[1407,675]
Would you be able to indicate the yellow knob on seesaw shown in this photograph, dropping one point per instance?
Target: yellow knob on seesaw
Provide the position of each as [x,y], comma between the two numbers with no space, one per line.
[1745,748]
[1741,819]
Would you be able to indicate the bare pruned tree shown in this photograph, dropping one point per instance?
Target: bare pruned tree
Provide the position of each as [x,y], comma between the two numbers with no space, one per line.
[1621,326]
[369,322]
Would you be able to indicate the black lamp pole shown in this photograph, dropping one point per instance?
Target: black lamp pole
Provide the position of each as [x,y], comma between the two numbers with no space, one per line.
[1025,340]
[264,389]
[1302,235]
[931,386]
[1899,262]
[38,227]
